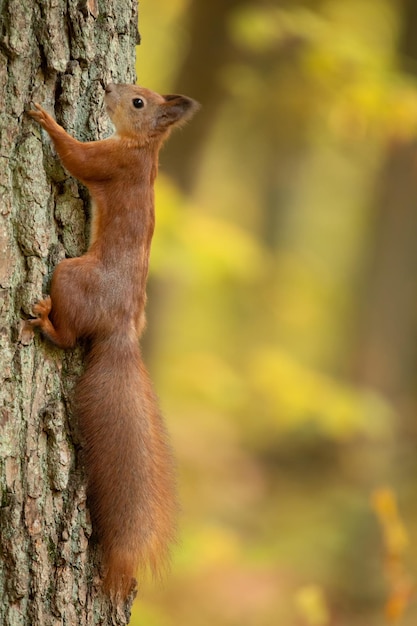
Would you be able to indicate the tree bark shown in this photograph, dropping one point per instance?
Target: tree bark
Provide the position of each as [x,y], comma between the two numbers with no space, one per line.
[56,53]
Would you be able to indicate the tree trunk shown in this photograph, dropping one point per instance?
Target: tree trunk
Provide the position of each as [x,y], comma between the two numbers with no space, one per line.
[210,48]
[386,355]
[56,53]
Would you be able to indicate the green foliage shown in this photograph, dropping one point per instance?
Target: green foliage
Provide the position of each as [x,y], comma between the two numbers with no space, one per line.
[260,282]
[196,246]
[292,395]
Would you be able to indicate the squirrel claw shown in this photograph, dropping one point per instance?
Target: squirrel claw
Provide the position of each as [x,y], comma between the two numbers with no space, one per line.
[39,114]
[42,309]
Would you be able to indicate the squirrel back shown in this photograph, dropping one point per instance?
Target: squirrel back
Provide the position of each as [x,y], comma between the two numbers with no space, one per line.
[101,297]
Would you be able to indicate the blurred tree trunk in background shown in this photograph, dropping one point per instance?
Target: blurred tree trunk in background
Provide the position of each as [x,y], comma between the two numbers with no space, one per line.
[387,354]
[273,147]
[210,49]
[56,54]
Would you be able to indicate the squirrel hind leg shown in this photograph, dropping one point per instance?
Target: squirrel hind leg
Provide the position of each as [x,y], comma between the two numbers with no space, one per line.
[42,309]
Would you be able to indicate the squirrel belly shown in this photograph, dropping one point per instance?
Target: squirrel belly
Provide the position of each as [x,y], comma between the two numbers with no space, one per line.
[134,516]
[101,297]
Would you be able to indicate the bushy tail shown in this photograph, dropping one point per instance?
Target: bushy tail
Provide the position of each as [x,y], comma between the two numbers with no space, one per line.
[131,485]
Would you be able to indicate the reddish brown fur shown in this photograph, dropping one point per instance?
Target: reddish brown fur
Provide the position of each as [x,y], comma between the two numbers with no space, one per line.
[101,296]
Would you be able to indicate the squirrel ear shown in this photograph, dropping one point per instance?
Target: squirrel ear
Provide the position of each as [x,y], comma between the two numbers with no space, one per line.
[176,109]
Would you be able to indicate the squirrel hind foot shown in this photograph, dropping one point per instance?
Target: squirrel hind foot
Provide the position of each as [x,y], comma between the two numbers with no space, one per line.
[42,308]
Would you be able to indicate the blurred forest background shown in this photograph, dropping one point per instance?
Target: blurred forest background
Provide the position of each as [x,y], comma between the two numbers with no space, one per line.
[282,315]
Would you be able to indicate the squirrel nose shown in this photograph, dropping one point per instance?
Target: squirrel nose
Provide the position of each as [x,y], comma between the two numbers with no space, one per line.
[109,87]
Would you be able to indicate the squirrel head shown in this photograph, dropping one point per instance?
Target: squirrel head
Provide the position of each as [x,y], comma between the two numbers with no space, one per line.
[143,115]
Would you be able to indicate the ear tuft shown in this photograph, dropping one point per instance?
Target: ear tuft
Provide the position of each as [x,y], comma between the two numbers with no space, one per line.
[176,110]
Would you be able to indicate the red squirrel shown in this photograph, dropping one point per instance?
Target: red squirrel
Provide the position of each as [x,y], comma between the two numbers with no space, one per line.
[100,297]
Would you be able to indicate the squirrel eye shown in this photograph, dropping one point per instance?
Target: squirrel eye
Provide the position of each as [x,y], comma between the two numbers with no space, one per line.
[138,103]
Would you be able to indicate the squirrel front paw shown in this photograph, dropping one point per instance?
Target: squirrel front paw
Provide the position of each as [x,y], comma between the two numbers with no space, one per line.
[41,116]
